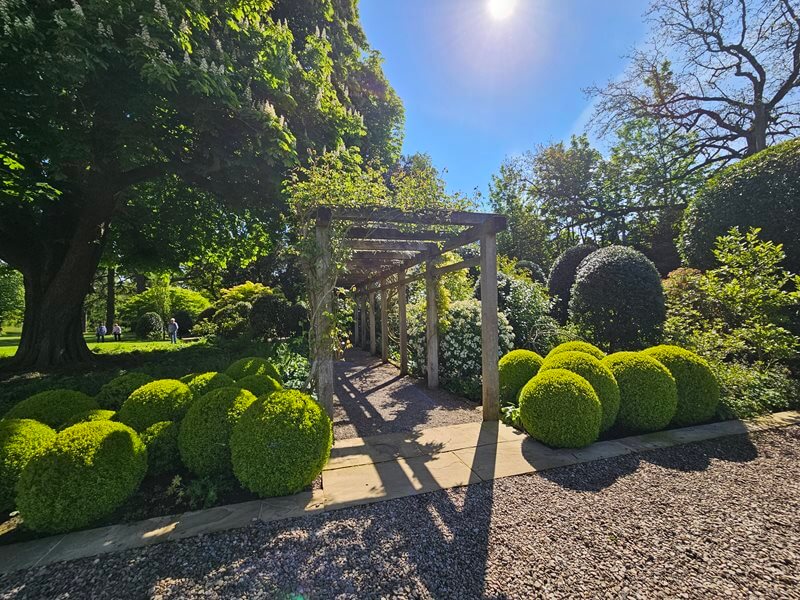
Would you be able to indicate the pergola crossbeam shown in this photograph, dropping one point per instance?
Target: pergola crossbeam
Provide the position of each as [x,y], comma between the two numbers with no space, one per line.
[391,233]
[383,214]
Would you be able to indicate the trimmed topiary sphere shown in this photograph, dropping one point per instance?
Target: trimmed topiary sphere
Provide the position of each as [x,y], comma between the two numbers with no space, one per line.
[86,473]
[252,365]
[20,440]
[96,414]
[260,385]
[562,276]
[560,409]
[205,382]
[161,441]
[150,326]
[52,407]
[599,377]
[647,391]
[115,392]
[516,369]
[281,443]
[204,438]
[698,390]
[576,346]
[160,400]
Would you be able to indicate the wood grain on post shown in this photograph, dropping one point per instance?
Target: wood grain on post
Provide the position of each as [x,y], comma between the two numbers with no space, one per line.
[363,302]
[401,317]
[322,308]
[373,343]
[489,329]
[431,327]
[384,323]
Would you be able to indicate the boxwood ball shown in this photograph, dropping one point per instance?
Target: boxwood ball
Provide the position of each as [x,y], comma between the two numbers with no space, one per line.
[516,369]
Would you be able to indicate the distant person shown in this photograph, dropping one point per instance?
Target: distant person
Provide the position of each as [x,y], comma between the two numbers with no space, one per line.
[101,332]
[117,331]
[172,328]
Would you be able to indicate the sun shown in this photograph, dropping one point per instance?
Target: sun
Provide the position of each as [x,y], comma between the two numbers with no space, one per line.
[501,9]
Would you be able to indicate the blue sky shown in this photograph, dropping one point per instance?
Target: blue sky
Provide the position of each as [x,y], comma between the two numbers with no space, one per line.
[478,89]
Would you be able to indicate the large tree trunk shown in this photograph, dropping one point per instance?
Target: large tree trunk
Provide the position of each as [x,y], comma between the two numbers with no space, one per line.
[111,297]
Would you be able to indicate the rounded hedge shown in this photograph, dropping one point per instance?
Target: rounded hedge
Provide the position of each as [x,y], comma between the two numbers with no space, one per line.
[647,390]
[698,389]
[562,276]
[252,365]
[617,299]
[204,438]
[53,407]
[86,473]
[762,191]
[578,346]
[560,409]
[20,440]
[188,377]
[281,443]
[534,269]
[260,385]
[95,414]
[516,369]
[205,382]
[270,316]
[116,391]
[160,400]
[149,326]
[161,441]
[599,377]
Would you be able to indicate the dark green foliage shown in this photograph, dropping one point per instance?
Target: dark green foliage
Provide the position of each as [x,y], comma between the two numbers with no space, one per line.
[205,315]
[516,369]
[184,321]
[116,391]
[95,414]
[762,191]
[160,400]
[20,440]
[149,327]
[648,393]
[232,320]
[252,365]
[205,382]
[204,438]
[527,308]
[260,385]
[617,299]
[599,377]
[281,443]
[562,276]
[52,407]
[534,270]
[161,441]
[698,390]
[270,316]
[560,409]
[751,390]
[88,471]
[578,346]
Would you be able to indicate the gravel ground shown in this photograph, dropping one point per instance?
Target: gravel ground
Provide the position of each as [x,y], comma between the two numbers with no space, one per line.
[711,519]
[372,398]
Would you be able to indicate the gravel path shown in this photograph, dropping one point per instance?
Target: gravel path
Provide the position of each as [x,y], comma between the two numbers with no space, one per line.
[372,398]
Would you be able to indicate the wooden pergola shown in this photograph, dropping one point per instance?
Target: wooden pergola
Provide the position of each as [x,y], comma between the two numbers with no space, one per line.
[381,256]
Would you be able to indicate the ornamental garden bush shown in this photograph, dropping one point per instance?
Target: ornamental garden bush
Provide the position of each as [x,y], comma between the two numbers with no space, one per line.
[648,393]
[116,391]
[560,409]
[149,327]
[281,443]
[205,382]
[95,414]
[20,440]
[204,438]
[53,407]
[698,390]
[578,346]
[562,276]
[161,441]
[259,385]
[252,365]
[160,400]
[232,320]
[516,369]
[86,473]
[599,377]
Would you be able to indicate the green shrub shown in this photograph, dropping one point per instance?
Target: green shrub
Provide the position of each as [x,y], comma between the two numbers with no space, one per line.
[599,377]
[233,320]
[252,365]
[173,301]
[751,390]
[160,400]
[161,441]
[762,191]
[578,346]
[281,443]
[20,440]
[205,382]
[698,390]
[116,391]
[259,385]
[562,276]
[560,409]
[95,414]
[647,390]
[204,438]
[188,377]
[534,270]
[269,317]
[149,327]
[527,308]
[52,407]
[87,472]
[516,369]
[617,300]
[184,321]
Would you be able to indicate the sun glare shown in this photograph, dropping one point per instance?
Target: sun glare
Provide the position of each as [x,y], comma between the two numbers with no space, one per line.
[501,9]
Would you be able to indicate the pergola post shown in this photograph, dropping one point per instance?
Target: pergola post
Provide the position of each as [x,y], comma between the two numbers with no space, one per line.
[384,322]
[356,328]
[321,311]
[489,328]
[363,302]
[373,345]
[431,326]
[401,314]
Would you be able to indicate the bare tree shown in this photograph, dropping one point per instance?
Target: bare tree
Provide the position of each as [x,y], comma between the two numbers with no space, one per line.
[728,71]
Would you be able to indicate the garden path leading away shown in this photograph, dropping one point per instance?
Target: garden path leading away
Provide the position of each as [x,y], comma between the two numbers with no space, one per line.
[371,398]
